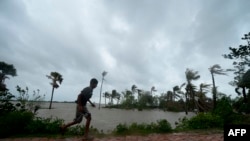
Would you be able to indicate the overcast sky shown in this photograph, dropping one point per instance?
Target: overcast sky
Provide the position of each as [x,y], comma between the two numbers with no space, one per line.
[142,42]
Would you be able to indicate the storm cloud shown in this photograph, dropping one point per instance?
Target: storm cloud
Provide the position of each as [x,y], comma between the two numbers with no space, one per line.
[144,42]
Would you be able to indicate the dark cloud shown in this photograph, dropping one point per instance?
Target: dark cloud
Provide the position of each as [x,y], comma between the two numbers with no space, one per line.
[146,43]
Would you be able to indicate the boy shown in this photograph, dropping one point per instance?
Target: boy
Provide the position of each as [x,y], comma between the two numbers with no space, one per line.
[81,109]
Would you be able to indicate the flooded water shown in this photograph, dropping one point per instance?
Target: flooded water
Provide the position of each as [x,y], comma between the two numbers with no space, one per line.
[106,119]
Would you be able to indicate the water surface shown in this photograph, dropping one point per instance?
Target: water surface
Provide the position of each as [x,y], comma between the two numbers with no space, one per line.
[106,119]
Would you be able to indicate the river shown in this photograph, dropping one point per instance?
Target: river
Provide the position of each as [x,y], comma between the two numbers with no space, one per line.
[106,119]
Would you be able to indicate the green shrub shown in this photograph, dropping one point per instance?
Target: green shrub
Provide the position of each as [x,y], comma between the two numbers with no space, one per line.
[139,128]
[163,126]
[76,130]
[44,126]
[150,127]
[121,128]
[14,123]
[205,121]
[5,105]
[240,106]
[80,129]
[182,124]
[223,107]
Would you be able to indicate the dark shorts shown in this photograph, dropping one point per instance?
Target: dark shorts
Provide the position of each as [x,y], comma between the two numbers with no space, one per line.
[80,115]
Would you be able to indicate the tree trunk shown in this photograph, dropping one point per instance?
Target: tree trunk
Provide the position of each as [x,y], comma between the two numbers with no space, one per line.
[100,94]
[51,98]
[105,100]
[214,92]
[244,94]
[186,104]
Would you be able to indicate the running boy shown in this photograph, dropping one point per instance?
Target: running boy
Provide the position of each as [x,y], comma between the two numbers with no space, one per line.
[81,109]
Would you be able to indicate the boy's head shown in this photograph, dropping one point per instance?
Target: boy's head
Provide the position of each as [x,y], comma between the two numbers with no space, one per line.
[93,83]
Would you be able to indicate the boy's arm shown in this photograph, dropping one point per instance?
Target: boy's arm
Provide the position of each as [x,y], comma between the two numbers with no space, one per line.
[91,103]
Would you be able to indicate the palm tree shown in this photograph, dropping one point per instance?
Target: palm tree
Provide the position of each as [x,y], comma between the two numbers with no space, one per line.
[106,95]
[204,89]
[134,89]
[139,94]
[113,95]
[128,98]
[215,69]
[169,96]
[190,88]
[55,77]
[177,91]
[117,97]
[152,90]
[201,94]
[104,73]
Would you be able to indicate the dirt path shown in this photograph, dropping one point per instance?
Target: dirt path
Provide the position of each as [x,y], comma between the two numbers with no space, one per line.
[151,137]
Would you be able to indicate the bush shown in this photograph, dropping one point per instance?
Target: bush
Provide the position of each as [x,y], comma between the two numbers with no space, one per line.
[240,106]
[121,128]
[223,107]
[5,105]
[14,123]
[205,121]
[44,126]
[161,126]
[76,130]
[182,124]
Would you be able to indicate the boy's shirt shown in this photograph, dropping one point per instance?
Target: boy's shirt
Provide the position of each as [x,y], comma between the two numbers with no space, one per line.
[86,94]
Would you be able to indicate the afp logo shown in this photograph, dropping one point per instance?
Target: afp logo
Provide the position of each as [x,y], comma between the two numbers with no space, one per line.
[233,132]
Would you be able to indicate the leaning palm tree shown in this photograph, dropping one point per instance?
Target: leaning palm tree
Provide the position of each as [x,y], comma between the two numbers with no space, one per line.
[55,77]
[190,88]
[203,90]
[104,73]
[118,97]
[201,95]
[139,92]
[216,69]
[152,90]
[177,91]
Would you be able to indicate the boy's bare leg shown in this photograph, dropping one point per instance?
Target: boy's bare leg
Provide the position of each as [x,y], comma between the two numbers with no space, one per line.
[87,127]
[69,124]
[63,127]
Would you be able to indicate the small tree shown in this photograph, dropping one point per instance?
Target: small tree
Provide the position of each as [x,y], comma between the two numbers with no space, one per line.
[106,95]
[5,96]
[104,73]
[152,90]
[216,69]
[241,63]
[55,77]
[190,88]
[26,102]
[134,90]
